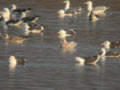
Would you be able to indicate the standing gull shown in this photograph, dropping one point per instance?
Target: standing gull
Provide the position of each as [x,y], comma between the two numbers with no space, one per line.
[13,62]
[91,59]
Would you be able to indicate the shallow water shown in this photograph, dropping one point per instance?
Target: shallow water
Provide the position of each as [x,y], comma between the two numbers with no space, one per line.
[47,67]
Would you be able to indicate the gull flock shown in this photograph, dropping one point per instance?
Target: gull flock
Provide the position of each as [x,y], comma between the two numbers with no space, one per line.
[20,18]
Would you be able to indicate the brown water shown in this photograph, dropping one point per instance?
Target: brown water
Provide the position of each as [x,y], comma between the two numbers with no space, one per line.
[47,67]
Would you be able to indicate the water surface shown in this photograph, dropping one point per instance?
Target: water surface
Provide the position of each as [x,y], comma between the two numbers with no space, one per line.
[47,67]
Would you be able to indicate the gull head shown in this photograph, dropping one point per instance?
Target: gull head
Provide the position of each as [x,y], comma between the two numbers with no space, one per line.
[106,44]
[62,33]
[13,7]
[88,3]
[61,12]
[66,1]
[5,10]
[80,60]
[11,57]
[12,60]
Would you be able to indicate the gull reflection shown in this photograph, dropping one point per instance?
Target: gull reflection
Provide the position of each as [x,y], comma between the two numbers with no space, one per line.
[68,46]
[103,59]
[12,67]
[79,67]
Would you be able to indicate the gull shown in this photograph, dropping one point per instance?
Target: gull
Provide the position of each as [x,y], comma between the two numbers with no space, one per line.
[13,60]
[107,44]
[91,59]
[26,29]
[61,13]
[88,60]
